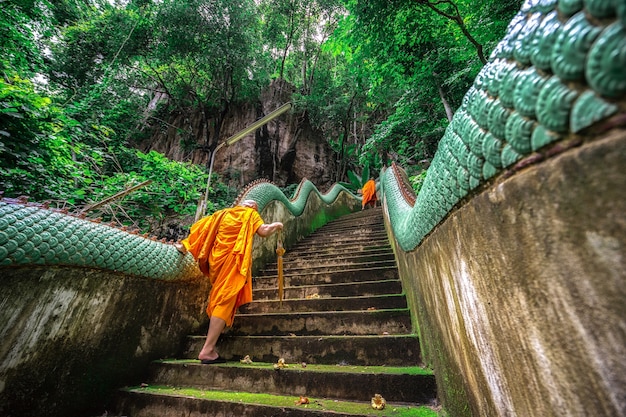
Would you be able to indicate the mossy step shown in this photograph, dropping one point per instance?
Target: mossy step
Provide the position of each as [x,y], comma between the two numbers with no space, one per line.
[371,350]
[399,384]
[350,258]
[321,323]
[386,286]
[356,252]
[348,220]
[340,382]
[374,216]
[327,304]
[336,274]
[361,216]
[355,226]
[351,225]
[167,401]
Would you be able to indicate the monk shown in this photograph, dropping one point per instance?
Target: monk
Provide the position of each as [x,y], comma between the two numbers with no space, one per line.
[222,245]
[369,194]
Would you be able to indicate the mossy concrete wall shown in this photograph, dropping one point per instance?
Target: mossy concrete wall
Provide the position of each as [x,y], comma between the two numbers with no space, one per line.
[70,336]
[519,296]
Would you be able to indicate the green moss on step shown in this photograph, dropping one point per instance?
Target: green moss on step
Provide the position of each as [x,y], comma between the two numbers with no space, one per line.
[282,401]
[389,370]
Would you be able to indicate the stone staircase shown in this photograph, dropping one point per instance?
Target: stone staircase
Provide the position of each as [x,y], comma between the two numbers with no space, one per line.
[343,329]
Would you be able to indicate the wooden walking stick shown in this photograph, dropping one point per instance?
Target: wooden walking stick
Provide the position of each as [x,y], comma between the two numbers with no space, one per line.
[280,251]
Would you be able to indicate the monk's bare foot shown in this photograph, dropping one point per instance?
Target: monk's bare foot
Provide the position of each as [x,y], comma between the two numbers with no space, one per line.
[181,248]
[208,356]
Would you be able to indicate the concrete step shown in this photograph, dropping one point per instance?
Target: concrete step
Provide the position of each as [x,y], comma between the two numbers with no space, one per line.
[352,224]
[344,251]
[369,350]
[374,219]
[357,229]
[366,271]
[163,401]
[336,249]
[368,322]
[362,216]
[378,302]
[337,262]
[368,216]
[370,288]
[399,384]
[326,239]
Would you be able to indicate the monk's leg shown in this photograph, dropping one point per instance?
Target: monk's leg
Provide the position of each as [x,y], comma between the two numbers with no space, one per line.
[221,312]
[216,325]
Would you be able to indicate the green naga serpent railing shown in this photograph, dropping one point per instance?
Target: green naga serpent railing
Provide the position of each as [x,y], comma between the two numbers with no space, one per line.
[560,69]
[263,192]
[34,234]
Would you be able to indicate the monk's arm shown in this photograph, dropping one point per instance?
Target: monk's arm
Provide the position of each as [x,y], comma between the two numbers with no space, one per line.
[266,230]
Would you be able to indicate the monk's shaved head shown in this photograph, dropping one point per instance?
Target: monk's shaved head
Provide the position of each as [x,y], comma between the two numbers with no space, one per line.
[250,203]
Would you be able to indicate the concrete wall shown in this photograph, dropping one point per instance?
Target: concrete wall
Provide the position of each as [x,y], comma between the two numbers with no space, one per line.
[70,336]
[519,296]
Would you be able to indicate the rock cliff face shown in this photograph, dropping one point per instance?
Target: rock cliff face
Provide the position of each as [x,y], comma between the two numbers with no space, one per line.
[285,150]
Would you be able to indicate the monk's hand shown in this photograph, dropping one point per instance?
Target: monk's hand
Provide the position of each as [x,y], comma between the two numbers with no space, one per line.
[266,230]
[276,226]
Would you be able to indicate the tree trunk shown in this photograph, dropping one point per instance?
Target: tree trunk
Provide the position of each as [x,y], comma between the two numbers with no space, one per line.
[458,19]
[288,41]
[444,101]
[305,54]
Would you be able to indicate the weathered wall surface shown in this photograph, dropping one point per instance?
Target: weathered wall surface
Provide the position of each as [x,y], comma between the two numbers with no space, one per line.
[70,336]
[520,295]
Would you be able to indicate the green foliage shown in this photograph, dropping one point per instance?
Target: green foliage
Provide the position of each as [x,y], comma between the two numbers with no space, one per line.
[35,152]
[82,83]
[38,159]
[417,181]
[24,25]
[290,190]
[357,181]
[174,192]
[204,51]
[409,134]
[419,59]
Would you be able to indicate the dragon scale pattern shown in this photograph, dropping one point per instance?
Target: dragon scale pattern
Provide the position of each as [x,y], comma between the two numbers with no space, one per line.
[32,234]
[263,192]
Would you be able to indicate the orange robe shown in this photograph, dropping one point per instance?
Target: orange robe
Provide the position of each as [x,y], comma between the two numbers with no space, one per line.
[222,245]
[369,192]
